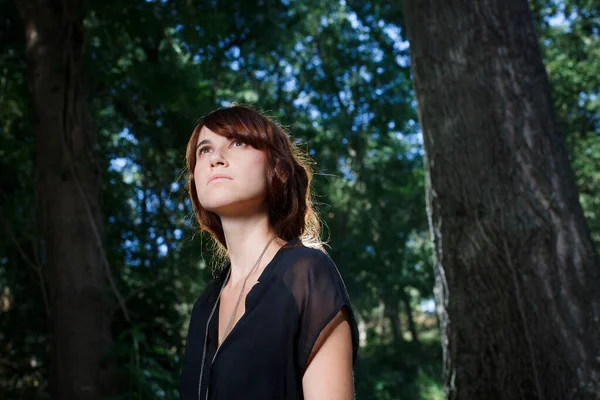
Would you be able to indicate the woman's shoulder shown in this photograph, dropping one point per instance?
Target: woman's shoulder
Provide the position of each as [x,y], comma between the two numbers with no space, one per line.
[302,258]
[202,300]
[211,290]
[306,264]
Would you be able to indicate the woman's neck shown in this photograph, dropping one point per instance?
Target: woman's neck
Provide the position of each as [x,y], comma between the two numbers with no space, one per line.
[246,239]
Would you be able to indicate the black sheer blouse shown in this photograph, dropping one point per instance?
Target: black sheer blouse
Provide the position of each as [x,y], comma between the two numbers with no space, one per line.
[265,354]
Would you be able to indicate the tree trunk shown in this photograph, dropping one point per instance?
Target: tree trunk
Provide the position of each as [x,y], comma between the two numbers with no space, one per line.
[517,274]
[412,327]
[393,313]
[68,197]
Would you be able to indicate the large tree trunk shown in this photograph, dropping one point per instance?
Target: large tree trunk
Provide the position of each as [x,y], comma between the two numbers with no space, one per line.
[68,196]
[517,274]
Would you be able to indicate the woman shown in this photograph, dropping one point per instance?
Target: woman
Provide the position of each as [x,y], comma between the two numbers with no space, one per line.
[276,322]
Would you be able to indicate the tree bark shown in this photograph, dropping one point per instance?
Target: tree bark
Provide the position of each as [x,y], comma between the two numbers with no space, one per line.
[68,197]
[517,273]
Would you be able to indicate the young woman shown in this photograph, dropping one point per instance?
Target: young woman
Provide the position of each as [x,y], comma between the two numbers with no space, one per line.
[276,322]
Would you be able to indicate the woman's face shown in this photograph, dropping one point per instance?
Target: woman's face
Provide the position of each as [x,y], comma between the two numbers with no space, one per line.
[243,187]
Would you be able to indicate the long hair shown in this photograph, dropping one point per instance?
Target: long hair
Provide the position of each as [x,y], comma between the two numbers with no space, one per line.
[290,205]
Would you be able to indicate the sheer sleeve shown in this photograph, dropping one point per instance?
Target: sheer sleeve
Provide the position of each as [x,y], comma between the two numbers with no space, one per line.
[320,293]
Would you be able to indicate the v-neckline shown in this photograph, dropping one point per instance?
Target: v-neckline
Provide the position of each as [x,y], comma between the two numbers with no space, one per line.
[245,301]
[264,275]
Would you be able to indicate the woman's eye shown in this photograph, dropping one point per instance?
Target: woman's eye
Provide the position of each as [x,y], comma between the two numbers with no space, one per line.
[239,141]
[201,151]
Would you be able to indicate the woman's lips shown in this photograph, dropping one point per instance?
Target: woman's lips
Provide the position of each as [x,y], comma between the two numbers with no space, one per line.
[217,178]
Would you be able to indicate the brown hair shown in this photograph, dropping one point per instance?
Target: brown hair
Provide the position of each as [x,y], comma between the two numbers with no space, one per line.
[291,209]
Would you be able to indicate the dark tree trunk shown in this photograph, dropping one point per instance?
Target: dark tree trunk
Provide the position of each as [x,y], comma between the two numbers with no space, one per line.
[517,274]
[393,313]
[412,327]
[68,197]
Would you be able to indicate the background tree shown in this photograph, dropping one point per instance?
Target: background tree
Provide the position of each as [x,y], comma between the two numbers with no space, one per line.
[68,193]
[508,229]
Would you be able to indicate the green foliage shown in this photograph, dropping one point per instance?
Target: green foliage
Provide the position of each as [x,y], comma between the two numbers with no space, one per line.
[404,371]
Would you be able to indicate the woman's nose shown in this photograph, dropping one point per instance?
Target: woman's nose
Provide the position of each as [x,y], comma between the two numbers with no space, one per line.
[216,157]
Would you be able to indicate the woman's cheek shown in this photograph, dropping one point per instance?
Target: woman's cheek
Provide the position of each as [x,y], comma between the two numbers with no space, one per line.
[197,174]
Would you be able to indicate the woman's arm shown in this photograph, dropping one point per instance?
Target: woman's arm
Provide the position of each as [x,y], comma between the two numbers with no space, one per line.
[328,374]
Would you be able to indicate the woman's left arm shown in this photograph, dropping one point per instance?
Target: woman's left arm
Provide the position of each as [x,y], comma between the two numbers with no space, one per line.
[328,374]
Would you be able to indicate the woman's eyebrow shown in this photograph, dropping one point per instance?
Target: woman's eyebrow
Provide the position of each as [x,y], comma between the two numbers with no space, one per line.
[205,141]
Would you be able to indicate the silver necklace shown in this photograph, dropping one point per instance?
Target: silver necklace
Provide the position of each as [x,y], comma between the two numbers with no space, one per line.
[230,318]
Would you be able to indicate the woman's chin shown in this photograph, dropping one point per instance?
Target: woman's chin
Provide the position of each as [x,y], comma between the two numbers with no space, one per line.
[226,209]
[238,208]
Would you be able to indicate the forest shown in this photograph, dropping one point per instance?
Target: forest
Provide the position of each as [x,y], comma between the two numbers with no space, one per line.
[457,156]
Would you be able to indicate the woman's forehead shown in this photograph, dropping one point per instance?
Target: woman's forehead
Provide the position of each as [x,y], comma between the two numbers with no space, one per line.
[206,133]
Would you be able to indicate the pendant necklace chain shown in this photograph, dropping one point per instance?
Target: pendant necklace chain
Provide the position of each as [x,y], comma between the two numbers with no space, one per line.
[229,324]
